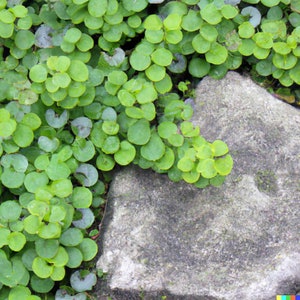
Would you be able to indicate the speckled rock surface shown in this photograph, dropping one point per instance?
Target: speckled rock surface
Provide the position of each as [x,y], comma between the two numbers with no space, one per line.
[240,241]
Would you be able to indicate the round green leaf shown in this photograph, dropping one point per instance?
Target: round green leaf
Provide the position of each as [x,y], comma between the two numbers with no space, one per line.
[246,30]
[32,224]
[62,188]
[176,140]
[41,268]
[200,44]
[58,213]
[78,71]
[109,114]
[49,231]
[32,120]
[139,133]
[111,145]
[38,73]
[12,179]
[19,292]
[154,36]
[155,72]
[219,148]
[191,177]
[185,164]
[83,150]
[154,149]
[294,19]
[164,86]
[105,162]
[28,257]
[75,257]
[23,135]
[24,39]
[62,80]
[139,61]
[81,197]
[211,14]
[217,54]
[281,48]
[153,22]
[263,39]
[71,237]
[38,208]
[6,30]
[88,248]
[209,32]
[34,180]
[72,35]
[97,8]
[85,43]
[147,94]
[60,259]
[7,127]
[261,53]
[41,285]
[172,22]
[166,129]
[57,170]
[167,160]
[6,16]
[229,11]
[162,57]
[126,98]
[285,62]
[125,154]
[10,211]
[207,168]
[19,11]
[46,248]
[110,127]
[224,165]
[117,77]
[199,67]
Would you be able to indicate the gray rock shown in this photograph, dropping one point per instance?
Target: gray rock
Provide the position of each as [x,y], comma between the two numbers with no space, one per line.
[239,241]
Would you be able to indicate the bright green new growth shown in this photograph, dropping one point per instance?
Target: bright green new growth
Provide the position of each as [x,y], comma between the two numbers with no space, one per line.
[90,84]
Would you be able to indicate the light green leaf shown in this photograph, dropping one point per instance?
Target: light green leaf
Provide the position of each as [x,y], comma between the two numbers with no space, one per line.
[154,149]
[139,133]
[78,71]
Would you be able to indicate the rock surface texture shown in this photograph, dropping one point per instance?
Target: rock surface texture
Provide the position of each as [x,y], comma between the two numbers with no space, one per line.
[239,241]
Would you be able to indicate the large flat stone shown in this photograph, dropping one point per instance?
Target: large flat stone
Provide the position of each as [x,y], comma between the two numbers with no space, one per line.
[240,241]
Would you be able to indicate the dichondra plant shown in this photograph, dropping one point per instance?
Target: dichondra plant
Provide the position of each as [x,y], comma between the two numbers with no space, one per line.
[90,84]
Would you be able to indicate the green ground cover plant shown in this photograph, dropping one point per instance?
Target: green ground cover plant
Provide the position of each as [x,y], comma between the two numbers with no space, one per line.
[88,85]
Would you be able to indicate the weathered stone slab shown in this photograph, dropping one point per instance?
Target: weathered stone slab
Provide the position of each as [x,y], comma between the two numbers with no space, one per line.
[240,241]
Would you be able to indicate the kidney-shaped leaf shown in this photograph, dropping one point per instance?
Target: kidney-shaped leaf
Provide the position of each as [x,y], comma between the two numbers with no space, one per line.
[87,174]
[82,283]
[82,126]
[154,149]
[10,211]
[55,120]
[139,133]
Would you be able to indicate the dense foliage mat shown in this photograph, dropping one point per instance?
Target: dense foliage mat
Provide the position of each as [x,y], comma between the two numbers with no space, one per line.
[90,84]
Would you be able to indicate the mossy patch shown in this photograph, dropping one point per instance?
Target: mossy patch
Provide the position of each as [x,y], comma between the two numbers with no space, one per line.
[266,182]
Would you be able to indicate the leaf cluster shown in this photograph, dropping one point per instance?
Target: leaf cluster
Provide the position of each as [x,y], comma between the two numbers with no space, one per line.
[90,84]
